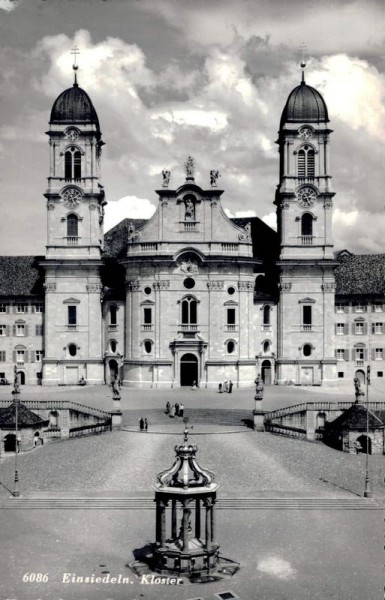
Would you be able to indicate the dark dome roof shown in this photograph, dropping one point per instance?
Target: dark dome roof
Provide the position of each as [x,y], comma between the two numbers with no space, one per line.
[74,106]
[304,105]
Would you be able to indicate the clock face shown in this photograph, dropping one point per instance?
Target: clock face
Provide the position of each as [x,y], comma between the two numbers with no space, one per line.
[306,196]
[72,197]
[72,134]
[305,133]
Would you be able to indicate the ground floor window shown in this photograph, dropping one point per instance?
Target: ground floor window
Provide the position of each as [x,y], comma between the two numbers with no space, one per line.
[341,374]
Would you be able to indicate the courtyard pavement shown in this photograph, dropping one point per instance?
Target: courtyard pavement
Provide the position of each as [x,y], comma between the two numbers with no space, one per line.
[286,553]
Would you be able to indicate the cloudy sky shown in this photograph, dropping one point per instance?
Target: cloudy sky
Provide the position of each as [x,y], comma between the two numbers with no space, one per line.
[208,78]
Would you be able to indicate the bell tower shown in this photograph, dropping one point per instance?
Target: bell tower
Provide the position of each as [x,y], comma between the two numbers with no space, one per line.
[75,210]
[304,201]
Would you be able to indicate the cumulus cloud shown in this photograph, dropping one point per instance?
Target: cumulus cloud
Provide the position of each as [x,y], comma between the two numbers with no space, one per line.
[9,5]
[128,207]
[359,229]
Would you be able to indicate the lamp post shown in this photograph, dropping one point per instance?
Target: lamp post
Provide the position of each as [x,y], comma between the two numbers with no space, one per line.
[367,492]
[16,400]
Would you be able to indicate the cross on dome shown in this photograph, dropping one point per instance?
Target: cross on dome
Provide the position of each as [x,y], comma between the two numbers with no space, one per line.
[75,51]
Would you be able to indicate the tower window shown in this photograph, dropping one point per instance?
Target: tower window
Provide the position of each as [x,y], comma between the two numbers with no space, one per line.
[113,314]
[231,316]
[307,350]
[148,346]
[147,316]
[306,318]
[266,315]
[306,162]
[72,163]
[230,347]
[307,224]
[72,226]
[266,347]
[72,317]
[72,349]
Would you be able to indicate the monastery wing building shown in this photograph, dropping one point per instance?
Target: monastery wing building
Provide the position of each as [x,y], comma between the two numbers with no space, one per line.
[191,296]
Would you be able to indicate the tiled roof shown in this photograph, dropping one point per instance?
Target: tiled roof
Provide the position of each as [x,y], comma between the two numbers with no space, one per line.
[355,418]
[21,276]
[361,274]
[25,417]
[115,240]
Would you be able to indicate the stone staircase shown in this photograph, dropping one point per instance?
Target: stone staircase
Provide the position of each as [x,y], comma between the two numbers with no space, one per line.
[230,417]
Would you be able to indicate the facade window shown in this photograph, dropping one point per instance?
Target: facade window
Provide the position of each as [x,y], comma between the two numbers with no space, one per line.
[266,347]
[20,329]
[3,307]
[147,290]
[231,319]
[3,330]
[359,328]
[379,354]
[189,311]
[72,349]
[113,345]
[377,327]
[377,307]
[113,315]
[340,308]
[189,283]
[307,350]
[341,374]
[359,308]
[147,316]
[230,347]
[72,163]
[380,373]
[21,308]
[359,354]
[306,162]
[20,357]
[3,356]
[39,355]
[307,225]
[72,317]
[39,330]
[307,317]
[231,290]
[148,346]
[266,315]
[340,328]
[39,308]
[340,354]
[72,226]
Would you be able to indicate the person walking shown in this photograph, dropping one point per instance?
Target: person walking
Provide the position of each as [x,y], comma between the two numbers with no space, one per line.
[226,386]
[141,423]
[230,386]
[181,410]
[145,425]
[168,406]
[194,386]
[176,409]
[172,412]
[220,388]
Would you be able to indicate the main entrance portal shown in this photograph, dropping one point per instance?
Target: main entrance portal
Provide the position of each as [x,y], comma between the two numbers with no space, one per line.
[188,370]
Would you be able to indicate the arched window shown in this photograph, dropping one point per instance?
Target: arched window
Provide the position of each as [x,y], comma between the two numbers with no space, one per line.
[306,162]
[189,311]
[72,226]
[307,224]
[266,315]
[148,346]
[72,349]
[113,345]
[307,350]
[266,347]
[113,314]
[72,163]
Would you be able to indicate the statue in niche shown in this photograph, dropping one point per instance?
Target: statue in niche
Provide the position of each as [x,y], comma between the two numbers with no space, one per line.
[166,178]
[189,214]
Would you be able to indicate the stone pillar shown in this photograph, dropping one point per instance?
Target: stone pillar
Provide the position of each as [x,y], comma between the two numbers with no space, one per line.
[186,514]
[162,507]
[212,524]
[197,518]
[116,413]
[157,523]
[174,532]
[258,413]
[64,423]
[207,525]
[310,424]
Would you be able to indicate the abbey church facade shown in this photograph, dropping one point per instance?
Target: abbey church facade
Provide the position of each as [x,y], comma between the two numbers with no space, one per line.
[191,296]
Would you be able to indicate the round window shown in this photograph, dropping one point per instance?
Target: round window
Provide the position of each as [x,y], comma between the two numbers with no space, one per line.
[231,290]
[72,349]
[189,283]
[307,350]
[230,347]
[147,346]
[147,290]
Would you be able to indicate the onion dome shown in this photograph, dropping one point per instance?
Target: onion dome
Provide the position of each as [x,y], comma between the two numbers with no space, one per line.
[304,105]
[74,106]
[185,474]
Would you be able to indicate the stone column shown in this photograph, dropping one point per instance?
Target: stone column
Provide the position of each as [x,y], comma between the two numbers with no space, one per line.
[186,514]
[174,532]
[212,524]
[157,523]
[197,518]
[207,527]
[258,413]
[162,506]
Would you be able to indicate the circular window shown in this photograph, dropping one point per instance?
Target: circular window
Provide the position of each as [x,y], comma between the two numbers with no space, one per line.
[231,290]
[147,346]
[189,283]
[307,350]
[113,345]
[230,347]
[147,290]
[72,349]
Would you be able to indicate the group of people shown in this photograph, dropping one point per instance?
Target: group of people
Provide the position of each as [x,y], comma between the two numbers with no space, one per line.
[226,387]
[143,424]
[175,410]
